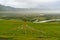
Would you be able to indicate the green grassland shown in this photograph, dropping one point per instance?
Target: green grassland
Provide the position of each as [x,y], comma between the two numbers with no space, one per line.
[42,31]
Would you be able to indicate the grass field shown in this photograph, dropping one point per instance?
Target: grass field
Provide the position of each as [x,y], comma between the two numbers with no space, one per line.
[11,29]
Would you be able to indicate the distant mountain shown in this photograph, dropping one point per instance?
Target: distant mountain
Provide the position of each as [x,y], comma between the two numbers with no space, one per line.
[8,8]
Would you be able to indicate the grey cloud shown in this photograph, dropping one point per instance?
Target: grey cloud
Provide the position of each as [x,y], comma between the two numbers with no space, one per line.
[30,3]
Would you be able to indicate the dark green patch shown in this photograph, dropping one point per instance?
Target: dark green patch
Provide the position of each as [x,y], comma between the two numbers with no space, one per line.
[2,38]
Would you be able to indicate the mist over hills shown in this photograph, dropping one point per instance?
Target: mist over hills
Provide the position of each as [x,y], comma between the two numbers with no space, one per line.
[25,11]
[10,11]
[7,11]
[5,8]
[8,8]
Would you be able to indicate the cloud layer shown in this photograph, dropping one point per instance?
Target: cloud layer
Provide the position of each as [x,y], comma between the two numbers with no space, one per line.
[31,3]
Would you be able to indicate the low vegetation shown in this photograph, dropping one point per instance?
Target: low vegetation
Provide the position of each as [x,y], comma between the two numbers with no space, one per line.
[42,31]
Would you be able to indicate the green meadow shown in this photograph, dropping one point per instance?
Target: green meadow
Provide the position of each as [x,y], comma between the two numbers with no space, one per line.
[13,30]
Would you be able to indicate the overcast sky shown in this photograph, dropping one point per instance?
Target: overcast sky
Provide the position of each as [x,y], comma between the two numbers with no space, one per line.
[51,4]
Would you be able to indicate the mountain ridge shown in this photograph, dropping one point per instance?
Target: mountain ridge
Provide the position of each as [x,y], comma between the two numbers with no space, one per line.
[8,8]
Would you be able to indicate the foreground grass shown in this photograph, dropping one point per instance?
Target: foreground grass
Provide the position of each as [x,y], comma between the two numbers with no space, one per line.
[42,31]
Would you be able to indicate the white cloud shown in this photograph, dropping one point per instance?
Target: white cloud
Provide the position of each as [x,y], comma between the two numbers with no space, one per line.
[26,3]
[37,1]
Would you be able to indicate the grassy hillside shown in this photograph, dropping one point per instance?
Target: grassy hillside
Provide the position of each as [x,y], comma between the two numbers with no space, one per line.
[13,29]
